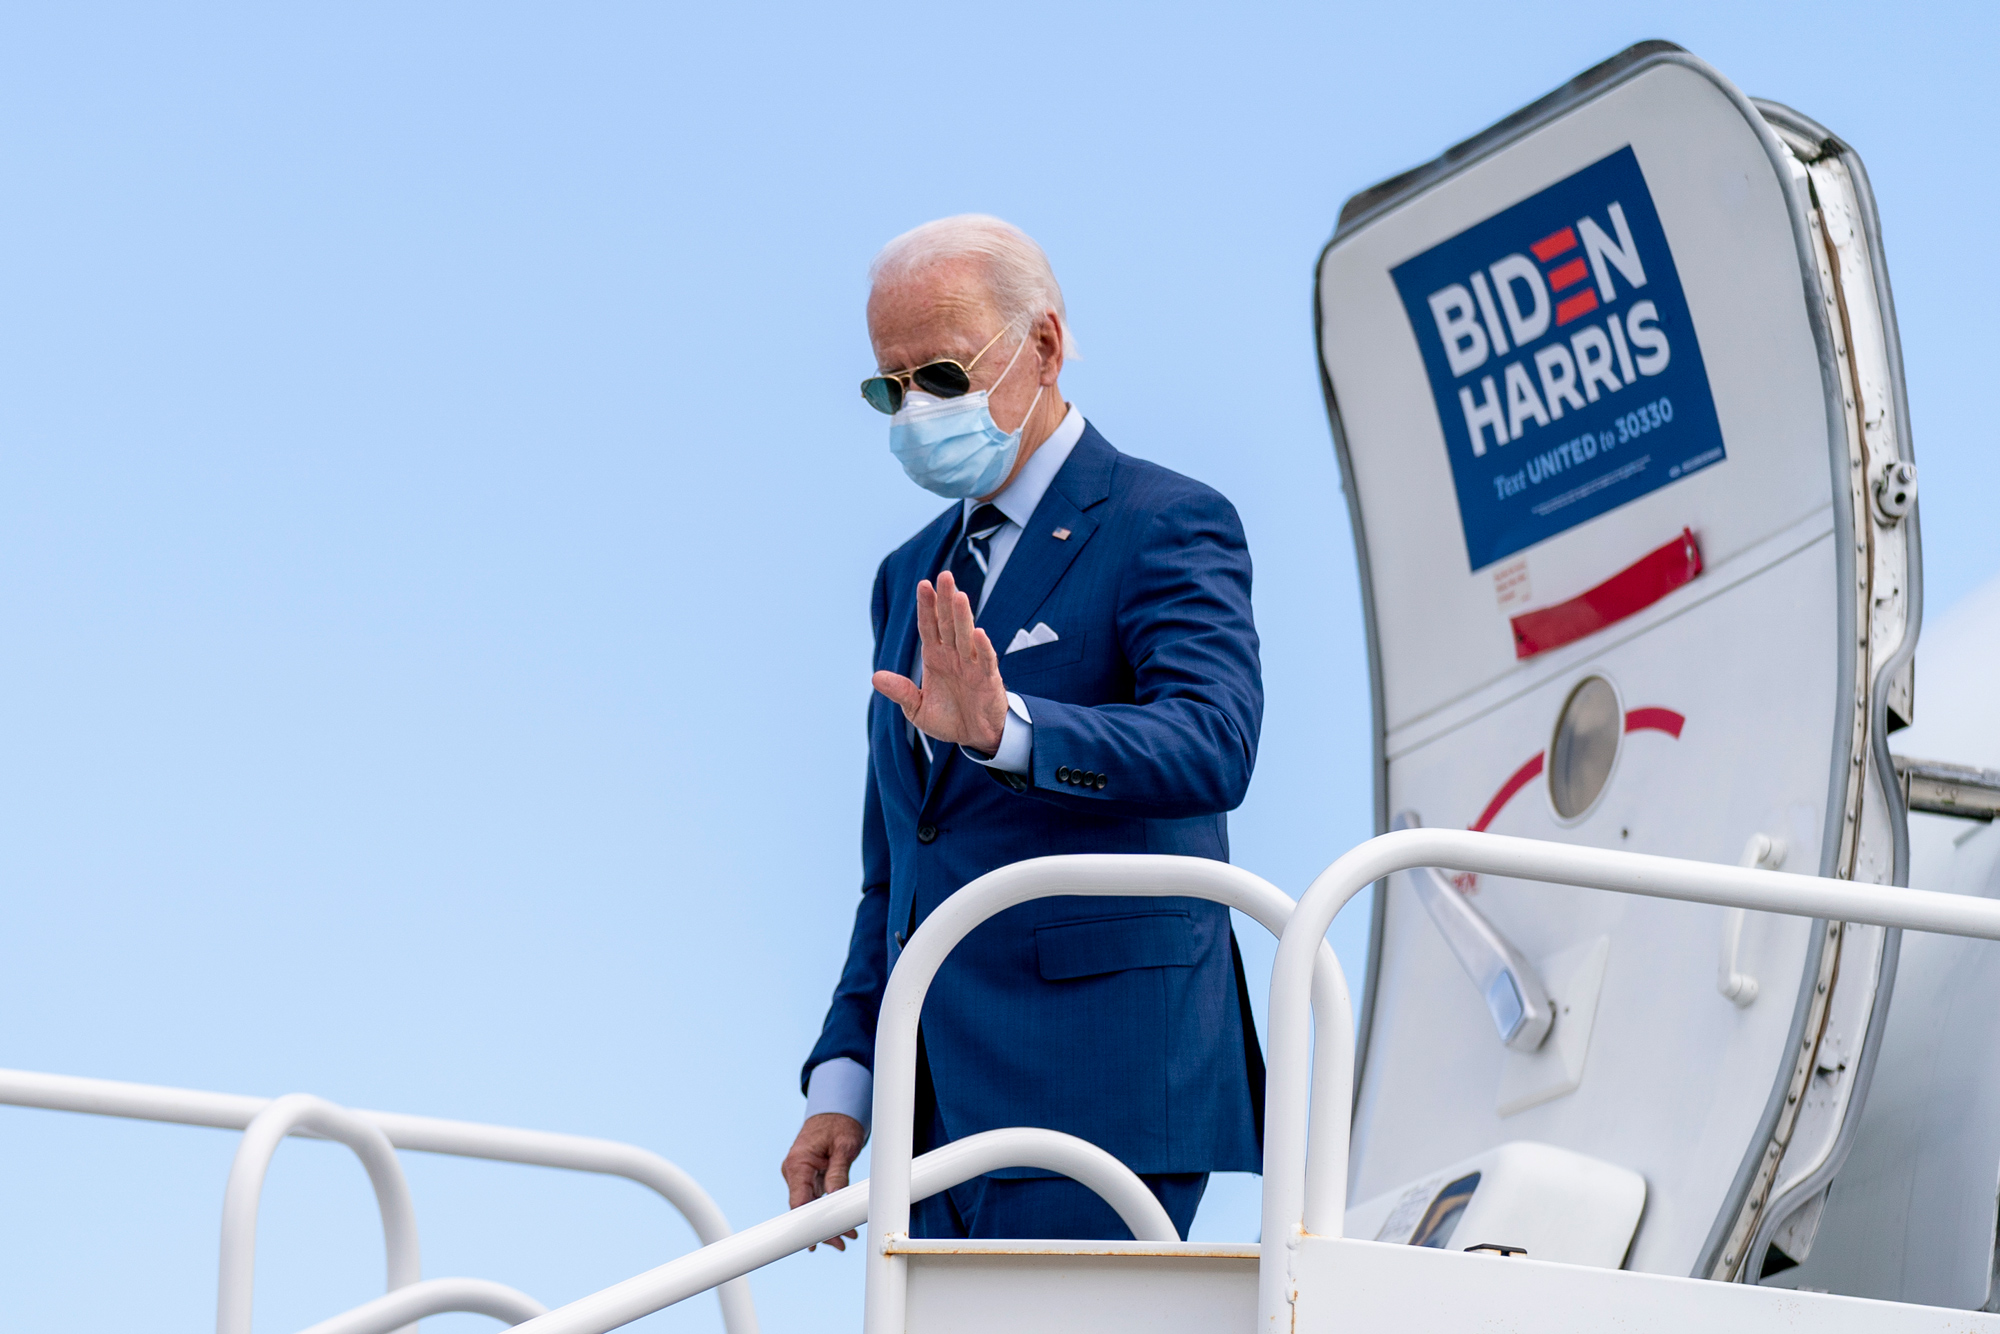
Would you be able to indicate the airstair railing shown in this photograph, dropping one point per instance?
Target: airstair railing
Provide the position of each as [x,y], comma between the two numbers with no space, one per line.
[1092,875]
[435,1296]
[1294,1094]
[1332,1045]
[1310,1049]
[834,1213]
[240,1198]
[427,1134]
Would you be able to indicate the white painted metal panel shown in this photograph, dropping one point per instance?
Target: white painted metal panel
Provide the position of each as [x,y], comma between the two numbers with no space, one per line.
[1749,683]
[1442,630]
[1000,1293]
[1361,1287]
[1677,1075]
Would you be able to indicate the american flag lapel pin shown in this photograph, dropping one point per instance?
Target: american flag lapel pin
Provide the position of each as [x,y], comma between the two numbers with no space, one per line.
[1062,534]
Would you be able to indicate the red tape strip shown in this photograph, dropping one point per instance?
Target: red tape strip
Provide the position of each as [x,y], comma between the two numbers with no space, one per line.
[1633,589]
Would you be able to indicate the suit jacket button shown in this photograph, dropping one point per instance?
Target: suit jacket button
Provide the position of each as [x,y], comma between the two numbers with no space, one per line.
[926,833]
[900,940]
[1100,782]
[1062,774]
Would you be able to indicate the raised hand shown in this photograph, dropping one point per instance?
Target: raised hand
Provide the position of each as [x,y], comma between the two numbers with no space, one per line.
[962,700]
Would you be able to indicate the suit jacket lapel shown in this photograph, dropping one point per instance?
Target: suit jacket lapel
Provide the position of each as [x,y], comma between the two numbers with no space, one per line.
[1040,557]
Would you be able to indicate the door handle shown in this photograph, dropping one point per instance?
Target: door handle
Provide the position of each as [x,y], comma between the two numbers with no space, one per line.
[1768,853]
[1507,982]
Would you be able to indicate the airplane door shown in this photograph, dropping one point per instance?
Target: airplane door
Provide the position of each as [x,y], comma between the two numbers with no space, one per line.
[1618,404]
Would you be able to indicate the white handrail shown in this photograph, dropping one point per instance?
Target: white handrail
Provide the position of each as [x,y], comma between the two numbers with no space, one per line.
[436,1296]
[579,1153]
[240,1198]
[1293,1095]
[1095,875]
[464,1139]
[834,1213]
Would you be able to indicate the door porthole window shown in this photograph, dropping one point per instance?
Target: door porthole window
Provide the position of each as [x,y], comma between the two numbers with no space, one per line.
[1584,749]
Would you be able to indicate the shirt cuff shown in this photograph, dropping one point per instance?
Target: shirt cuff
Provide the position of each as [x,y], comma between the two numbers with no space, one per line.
[1017,740]
[842,1085]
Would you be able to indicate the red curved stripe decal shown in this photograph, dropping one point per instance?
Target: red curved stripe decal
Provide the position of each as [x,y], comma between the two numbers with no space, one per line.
[1636,720]
[1522,777]
[1655,720]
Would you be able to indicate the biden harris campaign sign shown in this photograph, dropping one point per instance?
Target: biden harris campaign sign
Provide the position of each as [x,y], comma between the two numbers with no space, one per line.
[1562,358]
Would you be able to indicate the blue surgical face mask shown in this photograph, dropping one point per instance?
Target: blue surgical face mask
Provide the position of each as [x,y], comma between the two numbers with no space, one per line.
[952,446]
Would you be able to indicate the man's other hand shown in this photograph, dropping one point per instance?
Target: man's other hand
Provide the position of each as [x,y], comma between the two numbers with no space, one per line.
[826,1147]
[962,701]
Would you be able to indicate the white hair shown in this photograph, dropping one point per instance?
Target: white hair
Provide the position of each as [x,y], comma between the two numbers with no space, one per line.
[1017,273]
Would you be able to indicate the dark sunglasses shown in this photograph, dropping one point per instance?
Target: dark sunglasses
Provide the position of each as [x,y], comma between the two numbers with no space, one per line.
[943,378]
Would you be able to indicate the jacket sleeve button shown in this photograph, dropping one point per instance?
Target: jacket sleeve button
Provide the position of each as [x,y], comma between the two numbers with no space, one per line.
[1062,774]
[901,941]
[927,833]
[1100,782]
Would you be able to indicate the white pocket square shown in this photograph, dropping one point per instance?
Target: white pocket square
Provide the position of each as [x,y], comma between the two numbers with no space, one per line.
[1041,634]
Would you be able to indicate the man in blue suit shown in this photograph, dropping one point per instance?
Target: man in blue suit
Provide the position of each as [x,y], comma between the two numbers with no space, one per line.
[1065,662]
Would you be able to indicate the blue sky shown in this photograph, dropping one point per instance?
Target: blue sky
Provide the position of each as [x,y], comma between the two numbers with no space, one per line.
[436,521]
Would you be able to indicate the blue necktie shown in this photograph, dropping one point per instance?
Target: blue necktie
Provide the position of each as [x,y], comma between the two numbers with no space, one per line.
[970,556]
[972,552]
